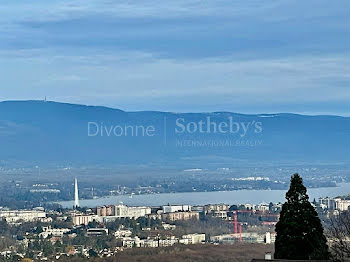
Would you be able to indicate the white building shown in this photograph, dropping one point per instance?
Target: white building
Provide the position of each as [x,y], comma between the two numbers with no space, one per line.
[168,226]
[110,213]
[130,242]
[55,232]
[216,207]
[270,238]
[234,238]
[148,243]
[14,216]
[220,214]
[263,207]
[192,239]
[327,203]
[249,206]
[123,233]
[80,219]
[168,242]
[341,204]
[131,212]
[177,208]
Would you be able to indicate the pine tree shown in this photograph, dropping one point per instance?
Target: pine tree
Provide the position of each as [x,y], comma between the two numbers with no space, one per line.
[299,230]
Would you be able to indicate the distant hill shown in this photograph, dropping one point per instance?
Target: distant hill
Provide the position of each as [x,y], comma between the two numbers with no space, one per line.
[39,132]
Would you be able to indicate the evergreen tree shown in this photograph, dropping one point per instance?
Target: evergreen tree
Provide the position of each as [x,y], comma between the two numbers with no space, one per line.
[299,230]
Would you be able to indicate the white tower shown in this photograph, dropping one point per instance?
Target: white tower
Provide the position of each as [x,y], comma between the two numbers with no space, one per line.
[76,194]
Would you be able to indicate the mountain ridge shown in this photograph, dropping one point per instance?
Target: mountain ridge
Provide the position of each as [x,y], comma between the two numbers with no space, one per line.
[168,112]
[39,132]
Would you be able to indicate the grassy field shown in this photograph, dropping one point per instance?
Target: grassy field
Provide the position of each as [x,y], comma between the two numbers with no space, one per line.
[208,253]
[191,253]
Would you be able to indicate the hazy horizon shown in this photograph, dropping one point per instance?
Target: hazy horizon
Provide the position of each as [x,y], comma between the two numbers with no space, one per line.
[183,56]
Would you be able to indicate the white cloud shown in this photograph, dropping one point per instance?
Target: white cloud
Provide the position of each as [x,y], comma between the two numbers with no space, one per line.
[64,9]
[267,10]
[134,76]
[195,52]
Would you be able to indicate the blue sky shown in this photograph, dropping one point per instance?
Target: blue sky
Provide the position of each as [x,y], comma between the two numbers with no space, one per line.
[185,55]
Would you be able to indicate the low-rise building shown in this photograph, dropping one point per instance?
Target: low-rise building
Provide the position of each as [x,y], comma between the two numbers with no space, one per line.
[148,243]
[270,237]
[97,231]
[264,207]
[130,242]
[81,219]
[234,238]
[14,216]
[106,210]
[220,214]
[132,212]
[122,211]
[122,233]
[180,216]
[168,226]
[249,206]
[168,242]
[176,208]
[327,203]
[342,204]
[192,239]
[216,208]
[55,232]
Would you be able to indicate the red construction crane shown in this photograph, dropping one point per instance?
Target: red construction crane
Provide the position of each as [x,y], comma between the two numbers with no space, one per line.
[240,232]
[235,223]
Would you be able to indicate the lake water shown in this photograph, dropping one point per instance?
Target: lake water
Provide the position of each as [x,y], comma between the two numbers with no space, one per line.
[202,198]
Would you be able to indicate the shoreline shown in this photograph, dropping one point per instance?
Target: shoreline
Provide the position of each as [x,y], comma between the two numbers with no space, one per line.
[198,198]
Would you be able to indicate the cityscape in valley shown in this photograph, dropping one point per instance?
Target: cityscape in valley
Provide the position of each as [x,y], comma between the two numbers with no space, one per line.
[107,231]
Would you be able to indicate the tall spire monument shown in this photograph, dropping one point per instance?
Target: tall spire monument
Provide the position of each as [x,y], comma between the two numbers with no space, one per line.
[76,194]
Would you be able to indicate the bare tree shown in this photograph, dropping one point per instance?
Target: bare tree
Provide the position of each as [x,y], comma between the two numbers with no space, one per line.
[339,236]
